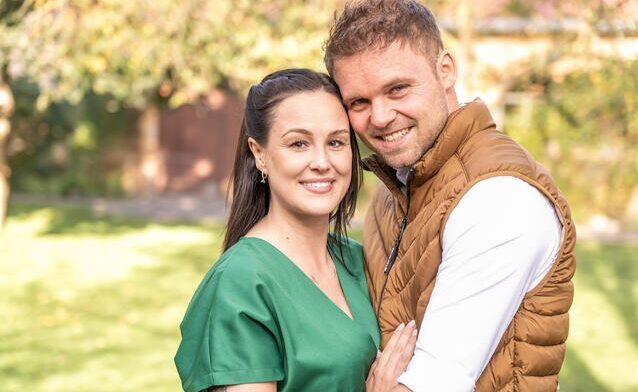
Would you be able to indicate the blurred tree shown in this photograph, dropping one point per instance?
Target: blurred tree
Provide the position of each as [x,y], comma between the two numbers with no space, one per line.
[146,54]
[574,104]
[69,150]
[6,109]
[584,126]
[7,9]
[144,51]
[584,117]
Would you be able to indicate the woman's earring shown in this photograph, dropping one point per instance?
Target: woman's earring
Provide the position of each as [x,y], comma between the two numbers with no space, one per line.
[264,176]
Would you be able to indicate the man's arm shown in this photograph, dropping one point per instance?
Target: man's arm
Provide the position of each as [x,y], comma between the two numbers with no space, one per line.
[498,243]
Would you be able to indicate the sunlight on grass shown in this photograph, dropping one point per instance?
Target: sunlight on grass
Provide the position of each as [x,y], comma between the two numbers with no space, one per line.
[94,303]
[603,341]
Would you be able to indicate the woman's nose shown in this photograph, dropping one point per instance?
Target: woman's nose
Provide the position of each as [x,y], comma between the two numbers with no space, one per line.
[320,160]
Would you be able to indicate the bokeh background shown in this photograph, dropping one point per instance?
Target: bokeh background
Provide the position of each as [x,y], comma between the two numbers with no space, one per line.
[118,124]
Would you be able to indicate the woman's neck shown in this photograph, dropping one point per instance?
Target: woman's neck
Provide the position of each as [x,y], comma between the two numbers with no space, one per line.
[302,239]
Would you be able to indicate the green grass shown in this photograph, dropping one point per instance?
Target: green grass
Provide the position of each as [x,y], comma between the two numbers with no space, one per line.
[91,303]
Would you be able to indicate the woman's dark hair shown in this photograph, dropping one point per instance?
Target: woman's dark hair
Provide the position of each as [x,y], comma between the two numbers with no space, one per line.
[251,198]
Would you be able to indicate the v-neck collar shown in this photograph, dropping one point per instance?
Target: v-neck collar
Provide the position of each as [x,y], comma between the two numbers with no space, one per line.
[346,284]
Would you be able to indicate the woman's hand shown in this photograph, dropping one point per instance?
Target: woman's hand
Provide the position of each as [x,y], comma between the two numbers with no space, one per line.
[393,360]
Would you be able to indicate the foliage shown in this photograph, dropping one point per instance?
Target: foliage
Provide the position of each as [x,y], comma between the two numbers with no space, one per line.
[540,9]
[75,54]
[84,63]
[68,149]
[94,303]
[140,51]
[584,127]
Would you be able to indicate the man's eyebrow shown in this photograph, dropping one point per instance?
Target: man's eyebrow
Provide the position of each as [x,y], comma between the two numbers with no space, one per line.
[346,100]
[394,82]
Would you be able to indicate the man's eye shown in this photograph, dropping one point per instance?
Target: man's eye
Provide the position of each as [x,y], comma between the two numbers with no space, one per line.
[357,104]
[398,89]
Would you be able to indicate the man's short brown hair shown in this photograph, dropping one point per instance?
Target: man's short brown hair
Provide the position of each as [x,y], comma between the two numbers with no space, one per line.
[375,24]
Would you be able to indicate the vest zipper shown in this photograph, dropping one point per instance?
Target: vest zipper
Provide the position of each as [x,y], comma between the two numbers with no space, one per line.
[395,249]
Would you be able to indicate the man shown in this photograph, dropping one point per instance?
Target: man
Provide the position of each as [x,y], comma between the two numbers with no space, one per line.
[470,236]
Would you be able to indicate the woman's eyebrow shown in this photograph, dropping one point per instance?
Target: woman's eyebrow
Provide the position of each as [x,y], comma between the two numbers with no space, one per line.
[297,130]
[307,132]
[338,131]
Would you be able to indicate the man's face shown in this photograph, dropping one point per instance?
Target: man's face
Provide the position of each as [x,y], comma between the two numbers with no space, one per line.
[396,102]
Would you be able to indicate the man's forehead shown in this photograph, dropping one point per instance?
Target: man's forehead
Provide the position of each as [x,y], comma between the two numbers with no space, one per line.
[393,50]
[376,67]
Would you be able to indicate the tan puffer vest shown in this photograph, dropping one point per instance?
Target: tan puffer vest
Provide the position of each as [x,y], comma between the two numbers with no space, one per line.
[470,149]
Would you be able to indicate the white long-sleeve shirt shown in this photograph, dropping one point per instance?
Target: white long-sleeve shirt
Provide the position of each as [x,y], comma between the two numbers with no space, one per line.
[498,244]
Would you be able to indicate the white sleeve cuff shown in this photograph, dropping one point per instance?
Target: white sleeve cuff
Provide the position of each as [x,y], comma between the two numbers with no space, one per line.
[426,373]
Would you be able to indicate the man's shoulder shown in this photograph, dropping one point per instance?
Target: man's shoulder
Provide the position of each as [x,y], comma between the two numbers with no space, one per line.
[381,202]
[493,151]
[502,204]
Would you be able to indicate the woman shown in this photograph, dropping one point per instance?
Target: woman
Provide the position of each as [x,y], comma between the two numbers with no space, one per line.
[286,307]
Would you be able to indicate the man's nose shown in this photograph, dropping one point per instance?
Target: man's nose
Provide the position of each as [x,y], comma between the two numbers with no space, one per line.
[382,114]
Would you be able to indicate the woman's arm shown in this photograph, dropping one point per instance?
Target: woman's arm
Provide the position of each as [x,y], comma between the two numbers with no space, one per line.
[259,387]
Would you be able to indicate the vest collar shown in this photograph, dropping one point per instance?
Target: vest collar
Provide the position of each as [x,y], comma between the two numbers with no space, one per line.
[464,122]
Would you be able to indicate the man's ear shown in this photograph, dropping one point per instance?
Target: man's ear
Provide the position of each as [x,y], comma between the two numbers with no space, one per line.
[446,69]
[258,153]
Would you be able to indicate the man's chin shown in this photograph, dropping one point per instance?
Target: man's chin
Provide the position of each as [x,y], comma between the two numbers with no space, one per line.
[398,162]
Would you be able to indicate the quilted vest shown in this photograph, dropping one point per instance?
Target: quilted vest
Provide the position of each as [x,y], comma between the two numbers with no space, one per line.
[468,150]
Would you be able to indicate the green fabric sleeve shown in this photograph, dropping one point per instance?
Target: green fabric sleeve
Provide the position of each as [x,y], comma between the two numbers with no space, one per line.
[229,333]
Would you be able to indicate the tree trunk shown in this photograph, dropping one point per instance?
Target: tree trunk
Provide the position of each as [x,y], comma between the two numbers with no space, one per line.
[150,154]
[630,217]
[6,109]
[465,54]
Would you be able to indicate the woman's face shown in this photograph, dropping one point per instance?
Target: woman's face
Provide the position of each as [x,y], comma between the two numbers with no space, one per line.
[308,156]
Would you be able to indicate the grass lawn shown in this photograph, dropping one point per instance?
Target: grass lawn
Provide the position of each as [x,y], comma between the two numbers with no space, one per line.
[94,304]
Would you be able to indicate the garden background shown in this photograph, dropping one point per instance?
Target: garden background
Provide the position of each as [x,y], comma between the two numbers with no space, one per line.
[118,122]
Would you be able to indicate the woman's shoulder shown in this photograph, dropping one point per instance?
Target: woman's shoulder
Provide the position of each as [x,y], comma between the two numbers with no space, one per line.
[346,243]
[354,245]
[246,261]
[240,271]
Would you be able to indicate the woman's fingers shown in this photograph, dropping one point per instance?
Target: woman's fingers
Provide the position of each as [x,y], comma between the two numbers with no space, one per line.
[396,347]
[405,352]
[374,366]
[384,358]
[402,346]
[408,349]
[390,363]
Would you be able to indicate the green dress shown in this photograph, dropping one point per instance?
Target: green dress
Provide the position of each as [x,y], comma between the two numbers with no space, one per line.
[256,317]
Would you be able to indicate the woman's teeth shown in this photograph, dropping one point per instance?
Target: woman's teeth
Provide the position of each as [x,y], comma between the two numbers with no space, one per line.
[317,185]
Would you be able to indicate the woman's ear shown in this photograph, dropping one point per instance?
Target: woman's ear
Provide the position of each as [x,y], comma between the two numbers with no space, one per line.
[258,153]
[446,69]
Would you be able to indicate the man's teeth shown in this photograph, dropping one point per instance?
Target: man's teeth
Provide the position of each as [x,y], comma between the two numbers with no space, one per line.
[317,185]
[396,135]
